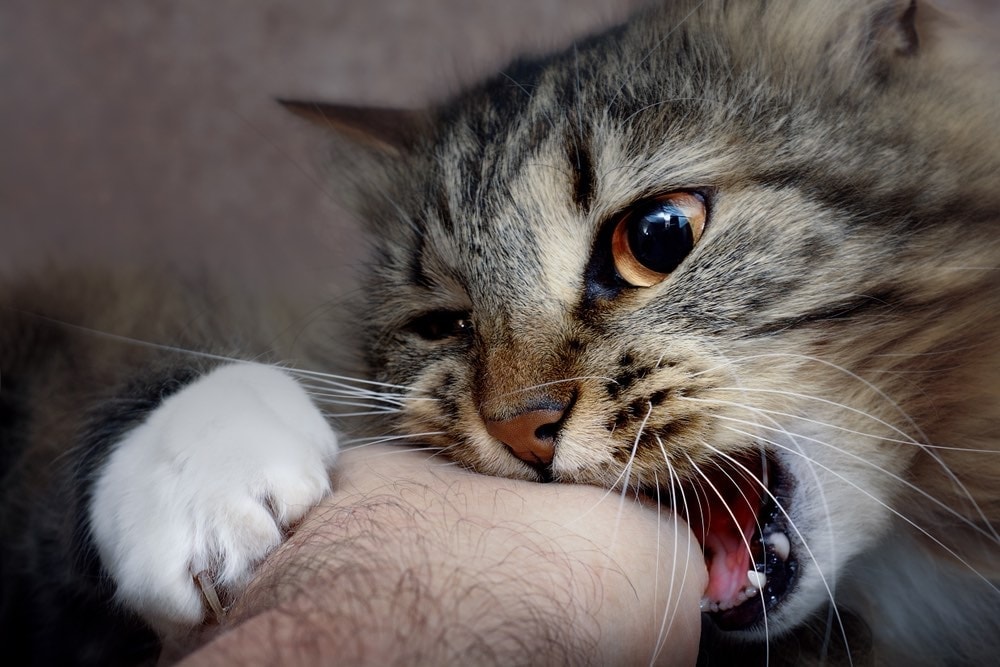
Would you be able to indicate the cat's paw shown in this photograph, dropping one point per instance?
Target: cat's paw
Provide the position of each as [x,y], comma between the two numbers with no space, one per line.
[208,482]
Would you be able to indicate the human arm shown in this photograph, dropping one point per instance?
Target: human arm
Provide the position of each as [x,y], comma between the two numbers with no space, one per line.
[412,561]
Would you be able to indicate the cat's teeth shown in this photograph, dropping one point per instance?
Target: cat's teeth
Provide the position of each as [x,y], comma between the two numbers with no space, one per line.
[710,605]
[756,580]
[779,542]
[755,584]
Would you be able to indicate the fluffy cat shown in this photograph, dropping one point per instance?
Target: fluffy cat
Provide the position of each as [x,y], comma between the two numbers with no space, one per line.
[737,254]
[746,251]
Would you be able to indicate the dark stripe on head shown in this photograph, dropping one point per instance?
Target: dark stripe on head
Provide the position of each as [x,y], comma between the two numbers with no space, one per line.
[584,178]
[884,299]
[908,209]
[416,265]
[443,210]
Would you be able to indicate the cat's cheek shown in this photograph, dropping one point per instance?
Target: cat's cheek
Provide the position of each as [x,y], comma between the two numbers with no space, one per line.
[208,482]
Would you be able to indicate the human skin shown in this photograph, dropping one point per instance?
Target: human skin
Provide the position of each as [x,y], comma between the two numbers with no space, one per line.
[415,561]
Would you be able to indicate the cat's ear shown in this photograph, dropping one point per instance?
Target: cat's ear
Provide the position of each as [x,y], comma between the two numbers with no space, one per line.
[384,130]
[895,29]
[904,28]
[867,37]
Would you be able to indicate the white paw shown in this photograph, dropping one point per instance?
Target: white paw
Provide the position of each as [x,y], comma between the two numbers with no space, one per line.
[207,482]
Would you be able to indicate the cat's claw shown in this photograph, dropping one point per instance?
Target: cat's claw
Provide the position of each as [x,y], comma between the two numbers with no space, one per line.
[208,482]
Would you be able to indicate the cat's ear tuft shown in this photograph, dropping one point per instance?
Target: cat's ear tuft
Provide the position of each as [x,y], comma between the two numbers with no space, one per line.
[896,28]
[385,130]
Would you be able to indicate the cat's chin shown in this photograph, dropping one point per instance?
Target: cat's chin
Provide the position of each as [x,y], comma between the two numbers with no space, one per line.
[741,518]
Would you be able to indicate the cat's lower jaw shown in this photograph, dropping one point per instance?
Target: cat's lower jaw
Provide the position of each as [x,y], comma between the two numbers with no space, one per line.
[208,482]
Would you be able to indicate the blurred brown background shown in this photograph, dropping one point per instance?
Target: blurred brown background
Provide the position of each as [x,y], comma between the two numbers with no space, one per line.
[145,131]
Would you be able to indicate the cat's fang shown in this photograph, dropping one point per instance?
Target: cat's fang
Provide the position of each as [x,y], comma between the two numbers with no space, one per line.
[756,579]
[780,543]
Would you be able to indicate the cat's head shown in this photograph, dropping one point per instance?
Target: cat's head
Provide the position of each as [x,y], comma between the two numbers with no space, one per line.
[716,255]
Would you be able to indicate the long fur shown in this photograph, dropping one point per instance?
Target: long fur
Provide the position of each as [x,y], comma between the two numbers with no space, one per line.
[840,312]
[839,317]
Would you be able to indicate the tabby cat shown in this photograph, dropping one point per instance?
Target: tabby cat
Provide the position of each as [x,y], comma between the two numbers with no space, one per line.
[741,254]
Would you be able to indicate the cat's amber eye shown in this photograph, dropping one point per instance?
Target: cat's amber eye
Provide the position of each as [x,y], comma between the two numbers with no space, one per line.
[654,237]
[440,324]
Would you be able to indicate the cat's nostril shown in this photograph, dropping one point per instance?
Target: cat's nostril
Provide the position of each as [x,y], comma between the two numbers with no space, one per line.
[530,435]
[548,431]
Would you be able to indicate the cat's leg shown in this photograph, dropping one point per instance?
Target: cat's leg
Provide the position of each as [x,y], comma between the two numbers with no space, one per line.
[207,481]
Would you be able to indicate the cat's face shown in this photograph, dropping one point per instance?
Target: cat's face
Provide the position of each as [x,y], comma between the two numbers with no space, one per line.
[701,258]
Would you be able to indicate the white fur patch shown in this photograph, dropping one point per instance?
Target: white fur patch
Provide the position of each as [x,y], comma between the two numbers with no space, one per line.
[195,485]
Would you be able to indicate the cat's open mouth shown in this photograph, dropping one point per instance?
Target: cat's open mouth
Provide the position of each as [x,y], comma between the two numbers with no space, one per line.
[743,532]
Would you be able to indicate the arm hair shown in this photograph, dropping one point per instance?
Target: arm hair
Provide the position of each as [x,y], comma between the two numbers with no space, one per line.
[414,563]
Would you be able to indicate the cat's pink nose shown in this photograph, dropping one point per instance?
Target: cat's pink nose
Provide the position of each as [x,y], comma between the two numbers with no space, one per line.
[530,435]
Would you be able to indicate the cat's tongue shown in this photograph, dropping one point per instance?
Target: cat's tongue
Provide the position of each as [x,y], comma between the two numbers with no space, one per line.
[729,523]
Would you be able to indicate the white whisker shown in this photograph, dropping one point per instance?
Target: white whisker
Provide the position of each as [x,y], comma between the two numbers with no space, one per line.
[928,449]
[377,440]
[732,515]
[991,534]
[885,505]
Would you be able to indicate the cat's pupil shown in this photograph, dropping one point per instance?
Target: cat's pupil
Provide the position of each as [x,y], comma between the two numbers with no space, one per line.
[440,324]
[660,236]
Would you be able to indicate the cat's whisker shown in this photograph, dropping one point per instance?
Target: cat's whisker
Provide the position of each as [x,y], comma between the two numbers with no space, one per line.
[364,399]
[674,486]
[367,398]
[732,515]
[353,391]
[327,377]
[657,646]
[991,533]
[381,439]
[974,346]
[609,488]
[928,449]
[626,474]
[365,394]
[435,451]
[369,413]
[335,407]
[825,401]
[833,614]
[130,340]
[792,525]
[844,429]
[441,453]
[331,377]
[333,400]
[848,373]
[879,501]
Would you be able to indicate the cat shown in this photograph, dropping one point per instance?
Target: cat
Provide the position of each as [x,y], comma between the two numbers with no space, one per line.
[734,253]
[741,250]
